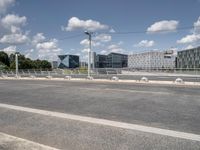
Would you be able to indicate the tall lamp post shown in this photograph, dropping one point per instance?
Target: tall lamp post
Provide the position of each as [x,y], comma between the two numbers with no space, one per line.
[16,64]
[89,51]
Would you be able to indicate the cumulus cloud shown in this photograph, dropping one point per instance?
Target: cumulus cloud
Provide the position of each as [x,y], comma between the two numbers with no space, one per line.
[85,43]
[103,38]
[103,52]
[45,49]
[189,39]
[14,39]
[10,50]
[75,23]
[39,37]
[194,37]
[85,50]
[197,26]
[163,26]
[189,47]
[4,4]
[47,45]
[115,48]
[11,30]
[13,22]
[145,43]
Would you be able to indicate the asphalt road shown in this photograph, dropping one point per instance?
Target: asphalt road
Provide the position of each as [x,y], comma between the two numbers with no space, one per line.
[175,108]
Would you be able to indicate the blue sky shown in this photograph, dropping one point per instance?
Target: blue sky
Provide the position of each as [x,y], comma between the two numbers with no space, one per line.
[44,28]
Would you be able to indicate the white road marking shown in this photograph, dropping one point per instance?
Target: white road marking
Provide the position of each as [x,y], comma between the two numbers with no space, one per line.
[19,143]
[159,131]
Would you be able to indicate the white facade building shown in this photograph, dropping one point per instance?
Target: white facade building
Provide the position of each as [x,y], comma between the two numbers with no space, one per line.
[152,60]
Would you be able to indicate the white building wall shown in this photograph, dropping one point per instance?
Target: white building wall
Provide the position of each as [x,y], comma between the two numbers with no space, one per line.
[151,59]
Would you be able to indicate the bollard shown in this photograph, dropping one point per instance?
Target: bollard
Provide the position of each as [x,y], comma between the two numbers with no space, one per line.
[114,78]
[48,77]
[32,76]
[68,77]
[89,78]
[144,79]
[179,80]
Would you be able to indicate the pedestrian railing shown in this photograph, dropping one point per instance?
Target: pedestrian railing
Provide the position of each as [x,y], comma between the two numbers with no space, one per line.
[191,75]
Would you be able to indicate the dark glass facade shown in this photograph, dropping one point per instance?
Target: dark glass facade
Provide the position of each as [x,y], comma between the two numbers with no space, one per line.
[68,61]
[189,58]
[112,60]
[101,61]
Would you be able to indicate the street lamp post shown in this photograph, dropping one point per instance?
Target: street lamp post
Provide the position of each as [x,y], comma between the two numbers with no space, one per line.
[16,64]
[89,51]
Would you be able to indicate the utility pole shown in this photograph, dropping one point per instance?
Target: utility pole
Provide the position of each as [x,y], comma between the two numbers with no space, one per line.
[89,51]
[16,64]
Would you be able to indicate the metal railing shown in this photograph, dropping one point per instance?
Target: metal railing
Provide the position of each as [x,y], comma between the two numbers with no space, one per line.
[192,75]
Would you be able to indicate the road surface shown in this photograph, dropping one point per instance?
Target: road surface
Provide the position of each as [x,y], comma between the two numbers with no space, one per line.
[90,115]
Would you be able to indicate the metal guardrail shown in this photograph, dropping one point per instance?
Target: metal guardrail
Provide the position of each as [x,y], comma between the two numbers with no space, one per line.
[108,73]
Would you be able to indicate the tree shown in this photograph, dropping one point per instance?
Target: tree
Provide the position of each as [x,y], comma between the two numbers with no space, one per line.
[24,63]
[4,58]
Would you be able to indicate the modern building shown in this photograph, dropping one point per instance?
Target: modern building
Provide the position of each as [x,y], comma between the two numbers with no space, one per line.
[112,60]
[101,61]
[116,60]
[68,61]
[152,60]
[189,58]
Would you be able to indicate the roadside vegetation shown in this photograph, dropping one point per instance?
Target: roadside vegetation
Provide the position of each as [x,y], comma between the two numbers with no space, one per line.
[8,62]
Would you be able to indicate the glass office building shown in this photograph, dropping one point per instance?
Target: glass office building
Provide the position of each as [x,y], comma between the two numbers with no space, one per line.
[189,58]
[116,60]
[101,61]
[112,60]
[68,61]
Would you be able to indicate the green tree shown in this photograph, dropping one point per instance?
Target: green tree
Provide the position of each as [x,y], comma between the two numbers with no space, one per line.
[27,63]
[4,58]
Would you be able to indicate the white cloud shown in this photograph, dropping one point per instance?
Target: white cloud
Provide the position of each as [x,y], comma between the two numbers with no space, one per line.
[145,43]
[85,43]
[103,52]
[29,53]
[90,25]
[112,30]
[10,50]
[189,47]
[11,32]
[14,39]
[85,50]
[194,37]
[197,26]
[47,45]
[103,38]
[13,22]
[189,39]
[39,37]
[4,4]
[115,49]
[48,50]
[163,26]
